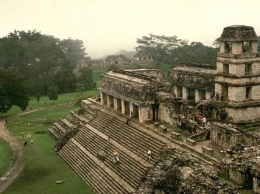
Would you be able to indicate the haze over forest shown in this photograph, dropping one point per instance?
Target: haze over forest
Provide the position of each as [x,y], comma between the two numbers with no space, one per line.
[105,27]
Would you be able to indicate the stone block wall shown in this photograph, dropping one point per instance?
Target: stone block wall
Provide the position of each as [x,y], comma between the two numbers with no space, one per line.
[256,68]
[164,114]
[243,114]
[224,135]
[238,70]
[236,176]
[236,93]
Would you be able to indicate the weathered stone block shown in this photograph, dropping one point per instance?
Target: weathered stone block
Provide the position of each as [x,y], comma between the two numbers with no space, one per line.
[190,142]
[207,150]
[175,135]
[163,128]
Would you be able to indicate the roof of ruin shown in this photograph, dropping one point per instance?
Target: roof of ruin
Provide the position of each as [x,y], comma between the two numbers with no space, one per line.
[196,68]
[238,33]
[131,76]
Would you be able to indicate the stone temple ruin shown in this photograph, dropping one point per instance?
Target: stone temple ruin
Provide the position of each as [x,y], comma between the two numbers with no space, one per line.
[194,120]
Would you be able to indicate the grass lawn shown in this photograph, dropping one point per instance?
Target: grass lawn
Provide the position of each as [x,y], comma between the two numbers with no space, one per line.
[44,101]
[6,154]
[43,165]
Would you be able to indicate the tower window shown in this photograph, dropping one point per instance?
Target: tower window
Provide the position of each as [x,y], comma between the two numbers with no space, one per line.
[248,92]
[248,69]
[228,47]
[226,68]
[246,47]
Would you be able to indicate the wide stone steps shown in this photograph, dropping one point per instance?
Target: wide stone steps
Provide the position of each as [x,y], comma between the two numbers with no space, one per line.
[58,128]
[128,136]
[132,131]
[95,176]
[129,169]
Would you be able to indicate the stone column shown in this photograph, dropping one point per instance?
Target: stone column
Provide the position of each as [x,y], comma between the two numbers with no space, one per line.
[197,95]
[115,103]
[123,106]
[256,184]
[185,93]
[208,94]
[131,107]
[101,98]
[108,101]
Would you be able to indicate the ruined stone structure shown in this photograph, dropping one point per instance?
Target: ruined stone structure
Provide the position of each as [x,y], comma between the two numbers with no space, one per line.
[134,94]
[117,60]
[195,103]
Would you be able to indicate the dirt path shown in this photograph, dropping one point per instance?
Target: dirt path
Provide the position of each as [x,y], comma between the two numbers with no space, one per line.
[16,143]
[18,162]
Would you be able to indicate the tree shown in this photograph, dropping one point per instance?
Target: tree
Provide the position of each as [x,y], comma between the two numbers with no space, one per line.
[52,93]
[80,88]
[85,77]
[172,51]
[74,50]
[65,79]
[43,59]
[13,90]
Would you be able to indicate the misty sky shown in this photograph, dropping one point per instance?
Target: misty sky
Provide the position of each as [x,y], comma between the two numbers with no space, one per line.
[106,26]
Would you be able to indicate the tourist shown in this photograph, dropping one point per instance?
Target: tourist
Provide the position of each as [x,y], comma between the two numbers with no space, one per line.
[31,141]
[25,143]
[109,136]
[222,96]
[5,121]
[127,120]
[149,153]
[115,157]
[204,121]
[217,96]
[21,133]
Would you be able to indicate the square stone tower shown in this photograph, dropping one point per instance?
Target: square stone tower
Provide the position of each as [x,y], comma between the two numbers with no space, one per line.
[238,73]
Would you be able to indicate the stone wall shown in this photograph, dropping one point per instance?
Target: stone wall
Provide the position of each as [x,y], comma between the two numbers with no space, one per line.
[245,114]
[224,135]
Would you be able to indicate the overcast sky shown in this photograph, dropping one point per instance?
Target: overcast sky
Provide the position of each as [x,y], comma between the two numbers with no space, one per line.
[106,26]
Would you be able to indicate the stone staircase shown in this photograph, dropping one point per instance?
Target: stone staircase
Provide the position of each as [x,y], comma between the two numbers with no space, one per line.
[91,171]
[128,136]
[103,176]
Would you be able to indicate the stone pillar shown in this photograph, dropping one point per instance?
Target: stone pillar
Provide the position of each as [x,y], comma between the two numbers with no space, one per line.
[256,185]
[208,94]
[237,47]
[185,93]
[197,95]
[254,47]
[108,101]
[115,103]
[101,98]
[144,112]
[222,47]
[123,106]
[131,106]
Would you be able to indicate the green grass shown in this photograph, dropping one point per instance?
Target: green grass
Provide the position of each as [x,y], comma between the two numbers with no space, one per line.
[97,75]
[6,154]
[44,102]
[43,165]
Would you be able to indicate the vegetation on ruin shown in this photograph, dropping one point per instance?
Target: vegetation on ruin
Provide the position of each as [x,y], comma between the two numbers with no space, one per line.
[6,154]
[43,165]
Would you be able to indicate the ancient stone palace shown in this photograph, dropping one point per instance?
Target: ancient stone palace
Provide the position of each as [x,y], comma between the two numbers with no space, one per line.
[201,123]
